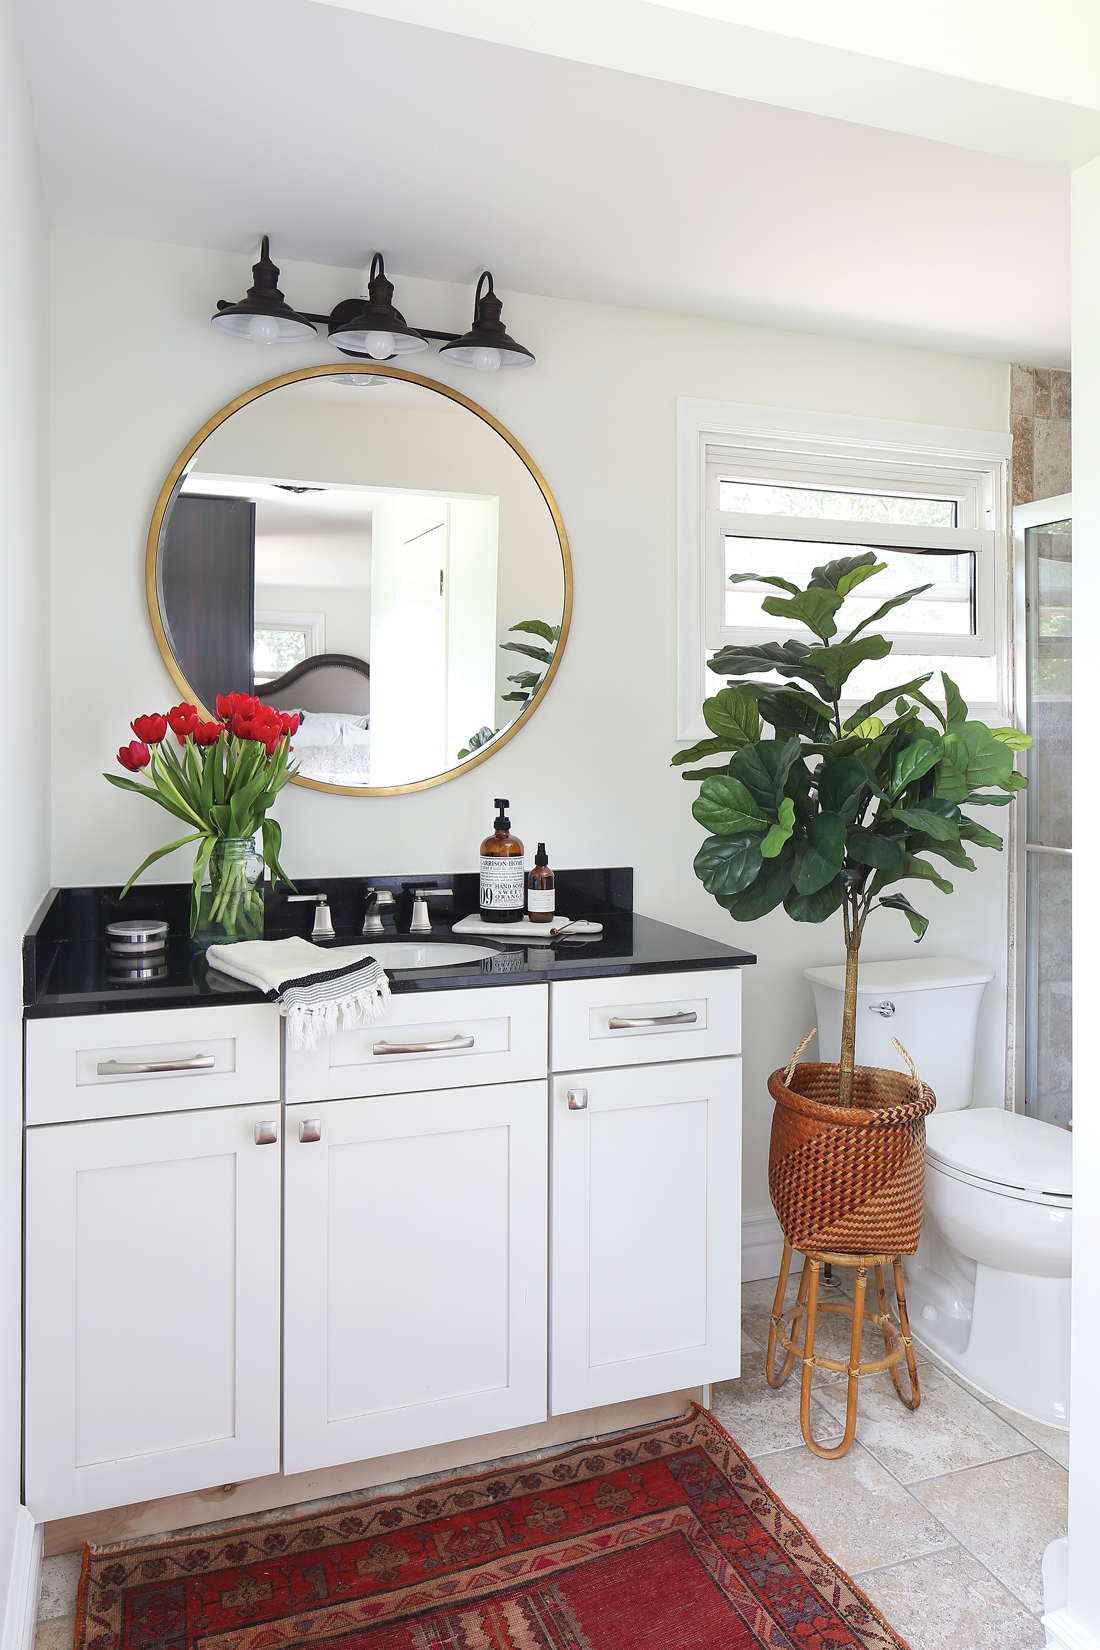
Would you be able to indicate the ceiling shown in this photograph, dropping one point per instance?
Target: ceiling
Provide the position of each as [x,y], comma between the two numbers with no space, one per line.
[339,133]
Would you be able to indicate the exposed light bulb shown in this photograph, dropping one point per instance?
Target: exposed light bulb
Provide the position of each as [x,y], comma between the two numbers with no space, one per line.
[263,329]
[379,345]
[486,359]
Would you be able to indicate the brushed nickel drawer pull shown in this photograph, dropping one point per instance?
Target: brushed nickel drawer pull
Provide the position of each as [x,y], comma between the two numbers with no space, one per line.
[309,1131]
[127,1068]
[445,1045]
[265,1134]
[620,1022]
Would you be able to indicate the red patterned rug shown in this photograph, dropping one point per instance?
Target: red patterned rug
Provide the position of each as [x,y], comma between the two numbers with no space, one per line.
[662,1539]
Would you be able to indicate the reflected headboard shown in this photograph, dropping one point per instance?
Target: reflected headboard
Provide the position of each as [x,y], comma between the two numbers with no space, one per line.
[328,681]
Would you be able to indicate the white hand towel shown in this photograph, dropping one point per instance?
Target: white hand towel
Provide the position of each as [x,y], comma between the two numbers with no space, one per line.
[318,991]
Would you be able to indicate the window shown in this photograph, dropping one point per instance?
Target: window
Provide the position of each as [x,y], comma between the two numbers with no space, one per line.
[767,491]
[283,640]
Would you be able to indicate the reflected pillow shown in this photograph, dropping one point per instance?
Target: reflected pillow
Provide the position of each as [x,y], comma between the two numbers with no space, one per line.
[354,734]
[335,717]
[315,732]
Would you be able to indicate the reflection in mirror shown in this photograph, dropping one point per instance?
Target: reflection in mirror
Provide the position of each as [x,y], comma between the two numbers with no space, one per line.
[371,553]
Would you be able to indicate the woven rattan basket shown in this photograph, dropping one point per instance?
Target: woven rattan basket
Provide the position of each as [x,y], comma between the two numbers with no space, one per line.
[848,1178]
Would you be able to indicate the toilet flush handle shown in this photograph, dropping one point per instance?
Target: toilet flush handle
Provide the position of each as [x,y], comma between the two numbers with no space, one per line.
[883,1009]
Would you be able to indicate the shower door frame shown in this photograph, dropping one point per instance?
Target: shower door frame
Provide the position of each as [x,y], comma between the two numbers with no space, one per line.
[1042,512]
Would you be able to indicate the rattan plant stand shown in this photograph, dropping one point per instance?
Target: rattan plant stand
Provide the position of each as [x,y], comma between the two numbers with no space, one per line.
[784,1328]
[847,1183]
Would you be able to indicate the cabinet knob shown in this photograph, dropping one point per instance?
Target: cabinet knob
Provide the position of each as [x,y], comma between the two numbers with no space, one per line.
[577,1098]
[309,1131]
[266,1134]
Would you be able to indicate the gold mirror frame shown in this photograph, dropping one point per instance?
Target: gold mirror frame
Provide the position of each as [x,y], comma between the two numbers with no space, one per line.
[168,493]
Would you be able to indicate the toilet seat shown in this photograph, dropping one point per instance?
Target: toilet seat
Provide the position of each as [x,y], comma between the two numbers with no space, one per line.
[1005,1153]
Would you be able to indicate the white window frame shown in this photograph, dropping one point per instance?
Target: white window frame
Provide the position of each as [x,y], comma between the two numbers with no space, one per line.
[312,623]
[796,448]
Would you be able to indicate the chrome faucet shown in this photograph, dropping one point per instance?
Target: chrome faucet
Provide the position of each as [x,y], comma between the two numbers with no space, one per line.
[420,923]
[322,921]
[378,899]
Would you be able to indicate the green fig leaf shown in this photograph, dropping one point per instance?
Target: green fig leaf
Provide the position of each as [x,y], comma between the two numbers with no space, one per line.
[819,858]
[780,832]
[726,807]
[727,865]
[898,902]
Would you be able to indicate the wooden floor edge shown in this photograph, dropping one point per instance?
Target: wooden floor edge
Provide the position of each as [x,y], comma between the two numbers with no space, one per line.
[283,1492]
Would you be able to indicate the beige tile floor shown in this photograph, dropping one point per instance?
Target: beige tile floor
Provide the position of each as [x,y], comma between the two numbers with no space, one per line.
[940,1514]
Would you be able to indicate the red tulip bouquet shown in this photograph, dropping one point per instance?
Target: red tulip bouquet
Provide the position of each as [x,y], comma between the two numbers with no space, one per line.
[222,784]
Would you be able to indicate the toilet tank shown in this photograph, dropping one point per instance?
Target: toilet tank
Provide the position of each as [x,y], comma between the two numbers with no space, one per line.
[931,1005]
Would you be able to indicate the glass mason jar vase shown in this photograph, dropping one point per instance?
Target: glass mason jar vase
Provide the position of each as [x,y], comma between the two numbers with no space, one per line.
[231,901]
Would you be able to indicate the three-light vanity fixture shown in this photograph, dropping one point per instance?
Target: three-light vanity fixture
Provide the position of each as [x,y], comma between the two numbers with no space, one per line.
[370,328]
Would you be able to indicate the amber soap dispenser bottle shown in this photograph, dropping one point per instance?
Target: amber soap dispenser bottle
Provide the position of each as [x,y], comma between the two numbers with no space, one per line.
[501,871]
[540,888]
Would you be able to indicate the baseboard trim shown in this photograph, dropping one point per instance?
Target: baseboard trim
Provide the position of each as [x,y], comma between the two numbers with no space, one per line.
[761,1246]
[21,1609]
[1068,1634]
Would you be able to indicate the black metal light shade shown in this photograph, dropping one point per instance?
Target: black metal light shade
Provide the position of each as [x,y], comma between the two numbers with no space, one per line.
[371,326]
[263,315]
[487,345]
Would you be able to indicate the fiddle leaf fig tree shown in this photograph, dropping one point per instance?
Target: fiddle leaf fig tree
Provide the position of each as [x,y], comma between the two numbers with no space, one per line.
[832,813]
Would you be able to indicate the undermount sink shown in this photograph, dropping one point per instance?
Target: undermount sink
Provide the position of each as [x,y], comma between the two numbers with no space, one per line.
[428,953]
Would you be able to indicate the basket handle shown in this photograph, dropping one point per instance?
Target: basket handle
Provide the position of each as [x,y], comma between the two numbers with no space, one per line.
[909,1061]
[794,1057]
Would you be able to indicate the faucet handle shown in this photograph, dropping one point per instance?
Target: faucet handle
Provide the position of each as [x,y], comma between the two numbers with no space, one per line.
[322,921]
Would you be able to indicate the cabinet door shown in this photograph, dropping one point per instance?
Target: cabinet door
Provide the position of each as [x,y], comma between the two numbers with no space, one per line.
[415,1283]
[645,1231]
[152,1307]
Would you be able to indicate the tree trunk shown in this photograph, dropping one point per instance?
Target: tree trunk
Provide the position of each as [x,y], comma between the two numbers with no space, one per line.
[848,1024]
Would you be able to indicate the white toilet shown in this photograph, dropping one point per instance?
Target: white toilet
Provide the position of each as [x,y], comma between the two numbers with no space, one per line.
[989,1286]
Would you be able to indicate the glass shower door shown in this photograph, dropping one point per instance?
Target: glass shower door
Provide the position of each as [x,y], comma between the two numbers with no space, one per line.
[1048,573]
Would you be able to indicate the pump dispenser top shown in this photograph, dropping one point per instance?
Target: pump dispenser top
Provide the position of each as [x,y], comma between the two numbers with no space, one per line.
[502,890]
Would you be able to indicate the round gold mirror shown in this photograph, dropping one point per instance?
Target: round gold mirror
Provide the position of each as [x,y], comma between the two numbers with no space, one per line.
[370,550]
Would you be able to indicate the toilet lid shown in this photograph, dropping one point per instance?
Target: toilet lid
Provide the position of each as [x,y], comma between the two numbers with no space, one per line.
[1004,1148]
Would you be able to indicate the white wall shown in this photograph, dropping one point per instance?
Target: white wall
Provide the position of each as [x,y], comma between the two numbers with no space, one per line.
[24,680]
[590,774]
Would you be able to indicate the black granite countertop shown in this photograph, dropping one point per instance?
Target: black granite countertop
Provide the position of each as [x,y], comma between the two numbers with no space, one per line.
[66,968]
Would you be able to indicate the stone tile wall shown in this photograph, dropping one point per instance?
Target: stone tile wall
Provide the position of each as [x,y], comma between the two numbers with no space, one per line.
[1040,422]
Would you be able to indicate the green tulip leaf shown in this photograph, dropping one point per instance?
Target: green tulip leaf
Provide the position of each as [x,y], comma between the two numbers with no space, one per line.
[726,808]
[819,858]
[898,902]
[780,832]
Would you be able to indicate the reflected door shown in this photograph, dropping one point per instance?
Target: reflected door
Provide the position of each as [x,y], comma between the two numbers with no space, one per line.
[1048,575]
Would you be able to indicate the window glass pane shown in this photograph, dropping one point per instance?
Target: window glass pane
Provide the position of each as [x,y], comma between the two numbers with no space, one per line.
[761,499]
[276,651]
[948,609]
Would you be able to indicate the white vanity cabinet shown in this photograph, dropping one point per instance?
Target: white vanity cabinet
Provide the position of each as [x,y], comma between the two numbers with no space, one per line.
[415,1271]
[645,1186]
[152,1256]
[416,1220]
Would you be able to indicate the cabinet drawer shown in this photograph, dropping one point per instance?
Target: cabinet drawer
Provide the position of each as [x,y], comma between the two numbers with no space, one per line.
[126,1065]
[439,1040]
[632,1022]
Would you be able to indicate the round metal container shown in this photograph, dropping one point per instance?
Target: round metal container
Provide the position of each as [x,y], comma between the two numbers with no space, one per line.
[136,936]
